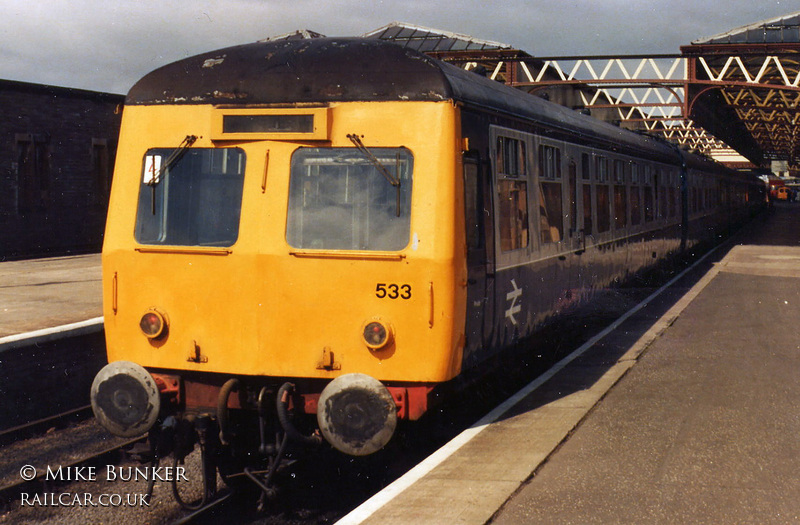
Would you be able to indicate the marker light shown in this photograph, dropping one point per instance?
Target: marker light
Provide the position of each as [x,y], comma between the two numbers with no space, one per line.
[152,324]
[377,335]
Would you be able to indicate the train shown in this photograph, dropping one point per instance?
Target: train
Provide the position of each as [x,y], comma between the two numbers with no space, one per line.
[307,239]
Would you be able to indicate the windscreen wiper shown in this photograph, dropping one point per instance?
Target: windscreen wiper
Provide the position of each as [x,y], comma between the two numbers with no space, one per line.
[393,180]
[176,155]
[173,158]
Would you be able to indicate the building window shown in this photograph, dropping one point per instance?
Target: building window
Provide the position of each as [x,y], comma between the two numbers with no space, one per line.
[33,172]
[101,171]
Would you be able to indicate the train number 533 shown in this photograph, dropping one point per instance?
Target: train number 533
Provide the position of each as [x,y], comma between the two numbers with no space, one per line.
[393,291]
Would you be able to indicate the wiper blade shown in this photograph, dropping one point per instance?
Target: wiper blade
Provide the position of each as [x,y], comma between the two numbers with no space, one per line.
[173,158]
[355,139]
[393,180]
[176,155]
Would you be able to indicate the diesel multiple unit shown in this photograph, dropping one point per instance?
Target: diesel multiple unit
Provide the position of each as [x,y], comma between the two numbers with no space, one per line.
[305,238]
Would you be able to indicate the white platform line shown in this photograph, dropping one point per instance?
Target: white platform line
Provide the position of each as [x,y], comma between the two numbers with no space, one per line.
[51,334]
[376,502]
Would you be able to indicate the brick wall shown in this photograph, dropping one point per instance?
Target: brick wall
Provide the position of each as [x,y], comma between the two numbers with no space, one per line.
[57,150]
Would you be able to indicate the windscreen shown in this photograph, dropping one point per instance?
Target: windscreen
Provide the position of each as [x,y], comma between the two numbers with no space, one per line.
[350,199]
[190,197]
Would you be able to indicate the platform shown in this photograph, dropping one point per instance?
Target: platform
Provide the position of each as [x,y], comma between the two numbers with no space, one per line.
[687,412]
[42,294]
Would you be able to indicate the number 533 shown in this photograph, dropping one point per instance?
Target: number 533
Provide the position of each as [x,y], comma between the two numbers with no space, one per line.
[393,291]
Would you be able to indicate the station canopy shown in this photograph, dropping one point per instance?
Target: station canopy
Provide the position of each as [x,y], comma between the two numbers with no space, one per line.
[432,40]
[743,86]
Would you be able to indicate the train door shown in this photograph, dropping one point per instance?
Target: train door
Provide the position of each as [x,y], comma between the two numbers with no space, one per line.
[480,260]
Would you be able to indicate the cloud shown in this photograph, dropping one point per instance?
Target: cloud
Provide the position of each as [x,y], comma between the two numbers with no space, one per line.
[107,46]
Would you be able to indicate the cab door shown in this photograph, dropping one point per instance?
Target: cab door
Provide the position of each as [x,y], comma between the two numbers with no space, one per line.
[480,261]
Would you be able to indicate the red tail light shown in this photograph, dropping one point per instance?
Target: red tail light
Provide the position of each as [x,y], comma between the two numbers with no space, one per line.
[152,324]
[377,334]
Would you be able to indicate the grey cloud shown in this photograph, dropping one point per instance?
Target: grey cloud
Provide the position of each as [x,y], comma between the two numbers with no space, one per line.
[107,46]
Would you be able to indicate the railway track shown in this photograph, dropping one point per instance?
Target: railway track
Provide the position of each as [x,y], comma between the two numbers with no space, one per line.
[27,430]
[38,480]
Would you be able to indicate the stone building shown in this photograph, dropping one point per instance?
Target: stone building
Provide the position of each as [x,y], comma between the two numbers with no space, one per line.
[57,150]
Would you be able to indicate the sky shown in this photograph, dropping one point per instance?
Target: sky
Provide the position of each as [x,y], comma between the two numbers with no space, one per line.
[107,45]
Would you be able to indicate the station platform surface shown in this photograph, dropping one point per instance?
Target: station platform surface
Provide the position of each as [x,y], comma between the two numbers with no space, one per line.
[40,294]
[687,411]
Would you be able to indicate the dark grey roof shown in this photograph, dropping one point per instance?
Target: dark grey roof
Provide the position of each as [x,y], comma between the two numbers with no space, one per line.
[781,30]
[291,71]
[425,39]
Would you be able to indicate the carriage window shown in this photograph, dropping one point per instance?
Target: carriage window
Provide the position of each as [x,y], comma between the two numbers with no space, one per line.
[672,195]
[620,207]
[572,180]
[586,175]
[513,214]
[512,187]
[635,194]
[601,165]
[550,205]
[636,205]
[339,199]
[603,195]
[587,209]
[649,204]
[619,172]
[620,195]
[190,197]
[511,158]
[550,162]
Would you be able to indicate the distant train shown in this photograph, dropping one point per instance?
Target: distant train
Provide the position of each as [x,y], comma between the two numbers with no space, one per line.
[306,238]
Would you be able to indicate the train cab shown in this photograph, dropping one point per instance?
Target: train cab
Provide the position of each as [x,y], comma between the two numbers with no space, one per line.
[255,239]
